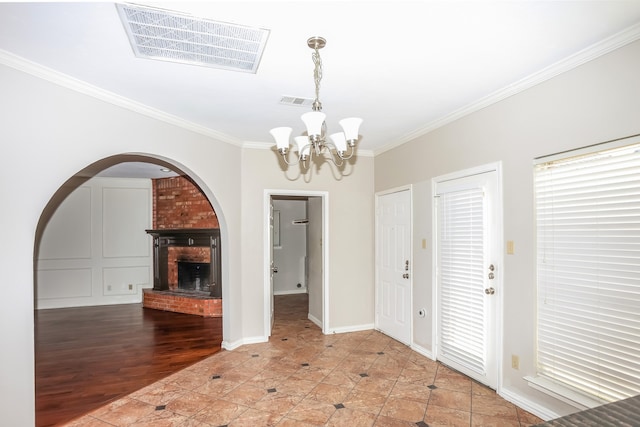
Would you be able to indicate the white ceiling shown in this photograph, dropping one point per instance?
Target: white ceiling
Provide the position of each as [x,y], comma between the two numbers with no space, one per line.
[404,67]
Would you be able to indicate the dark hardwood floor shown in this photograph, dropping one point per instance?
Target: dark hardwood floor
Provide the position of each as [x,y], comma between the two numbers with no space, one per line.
[88,356]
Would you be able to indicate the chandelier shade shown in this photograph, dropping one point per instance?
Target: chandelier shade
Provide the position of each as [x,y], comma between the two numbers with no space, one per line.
[281,135]
[313,122]
[350,128]
[302,142]
[339,141]
[338,146]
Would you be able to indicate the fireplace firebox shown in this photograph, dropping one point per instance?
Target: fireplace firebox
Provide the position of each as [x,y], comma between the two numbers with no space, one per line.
[194,276]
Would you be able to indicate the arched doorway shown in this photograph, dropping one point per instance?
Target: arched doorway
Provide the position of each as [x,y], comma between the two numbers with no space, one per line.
[118,201]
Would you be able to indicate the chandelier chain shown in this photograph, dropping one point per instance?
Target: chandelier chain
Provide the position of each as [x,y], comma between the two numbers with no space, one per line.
[317,77]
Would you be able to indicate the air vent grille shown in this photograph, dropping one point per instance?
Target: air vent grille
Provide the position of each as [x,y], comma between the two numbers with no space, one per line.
[171,36]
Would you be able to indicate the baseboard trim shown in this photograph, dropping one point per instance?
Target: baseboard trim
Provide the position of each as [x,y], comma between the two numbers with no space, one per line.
[354,328]
[292,292]
[528,405]
[423,351]
[235,344]
[315,320]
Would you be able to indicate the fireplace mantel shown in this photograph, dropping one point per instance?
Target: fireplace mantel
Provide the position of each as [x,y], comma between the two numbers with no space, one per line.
[163,239]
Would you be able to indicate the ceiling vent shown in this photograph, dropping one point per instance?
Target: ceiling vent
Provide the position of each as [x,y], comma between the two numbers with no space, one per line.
[170,36]
[297,101]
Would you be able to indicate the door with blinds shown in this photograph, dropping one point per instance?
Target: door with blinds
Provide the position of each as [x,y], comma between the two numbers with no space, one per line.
[467,272]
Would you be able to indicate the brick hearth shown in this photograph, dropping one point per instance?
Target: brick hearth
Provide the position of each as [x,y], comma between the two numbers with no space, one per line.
[178,302]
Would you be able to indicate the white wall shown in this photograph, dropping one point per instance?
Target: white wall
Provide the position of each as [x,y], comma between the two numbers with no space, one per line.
[314,254]
[290,256]
[593,103]
[48,134]
[94,249]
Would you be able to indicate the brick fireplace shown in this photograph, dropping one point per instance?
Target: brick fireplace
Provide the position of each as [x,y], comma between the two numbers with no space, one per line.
[186,244]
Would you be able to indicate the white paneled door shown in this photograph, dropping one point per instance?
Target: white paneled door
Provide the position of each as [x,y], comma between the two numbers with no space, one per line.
[467,270]
[393,259]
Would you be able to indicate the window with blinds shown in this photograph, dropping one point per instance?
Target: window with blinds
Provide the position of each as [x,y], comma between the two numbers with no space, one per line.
[588,272]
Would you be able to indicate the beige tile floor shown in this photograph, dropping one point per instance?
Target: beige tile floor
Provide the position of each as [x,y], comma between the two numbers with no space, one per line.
[303,378]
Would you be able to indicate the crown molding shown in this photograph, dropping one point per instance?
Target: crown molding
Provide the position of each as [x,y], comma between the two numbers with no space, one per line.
[257,145]
[618,40]
[80,86]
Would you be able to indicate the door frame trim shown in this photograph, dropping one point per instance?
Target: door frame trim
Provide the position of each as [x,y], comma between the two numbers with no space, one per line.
[268,194]
[499,220]
[379,194]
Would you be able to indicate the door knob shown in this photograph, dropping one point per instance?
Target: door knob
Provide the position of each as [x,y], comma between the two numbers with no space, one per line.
[274,269]
[489,291]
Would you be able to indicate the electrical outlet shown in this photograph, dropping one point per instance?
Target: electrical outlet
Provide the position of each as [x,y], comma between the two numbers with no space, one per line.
[515,361]
[510,249]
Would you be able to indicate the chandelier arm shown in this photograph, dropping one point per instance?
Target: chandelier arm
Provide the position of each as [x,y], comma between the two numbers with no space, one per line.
[285,157]
[305,162]
[334,157]
[351,150]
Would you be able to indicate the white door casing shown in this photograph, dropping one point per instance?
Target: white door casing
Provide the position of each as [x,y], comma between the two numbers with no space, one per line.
[315,273]
[467,269]
[268,246]
[394,265]
[272,267]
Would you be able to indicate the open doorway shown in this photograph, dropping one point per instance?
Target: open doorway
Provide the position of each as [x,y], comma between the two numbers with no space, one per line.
[296,252]
[92,264]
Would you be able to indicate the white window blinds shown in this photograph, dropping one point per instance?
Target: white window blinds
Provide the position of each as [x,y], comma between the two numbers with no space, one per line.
[588,266]
[462,267]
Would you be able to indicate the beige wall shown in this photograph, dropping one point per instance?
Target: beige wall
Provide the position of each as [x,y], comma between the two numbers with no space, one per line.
[595,102]
[351,252]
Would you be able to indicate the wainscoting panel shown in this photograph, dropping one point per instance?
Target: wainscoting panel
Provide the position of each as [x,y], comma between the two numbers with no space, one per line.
[65,283]
[68,233]
[125,217]
[125,280]
[95,250]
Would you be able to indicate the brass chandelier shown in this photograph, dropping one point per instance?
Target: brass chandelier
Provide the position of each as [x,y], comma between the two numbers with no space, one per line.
[341,146]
